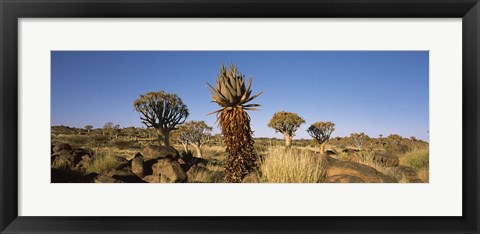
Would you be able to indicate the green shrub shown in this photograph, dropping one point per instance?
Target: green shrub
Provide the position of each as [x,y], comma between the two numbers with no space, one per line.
[417,158]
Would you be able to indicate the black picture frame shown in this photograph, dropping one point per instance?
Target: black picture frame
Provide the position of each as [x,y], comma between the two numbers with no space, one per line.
[11,11]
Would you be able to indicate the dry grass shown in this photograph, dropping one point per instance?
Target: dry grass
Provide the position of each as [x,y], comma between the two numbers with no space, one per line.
[292,166]
[102,161]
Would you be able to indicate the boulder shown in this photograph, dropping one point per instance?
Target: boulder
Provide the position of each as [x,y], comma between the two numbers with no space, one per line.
[386,160]
[343,179]
[137,165]
[152,179]
[62,146]
[364,172]
[63,161]
[160,152]
[81,152]
[126,176]
[106,179]
[84,163]
[405,174]
[169,169]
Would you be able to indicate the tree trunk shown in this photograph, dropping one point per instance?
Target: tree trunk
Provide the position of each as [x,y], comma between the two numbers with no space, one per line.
[288,140]
[322,148]
[166,138]
[199,150]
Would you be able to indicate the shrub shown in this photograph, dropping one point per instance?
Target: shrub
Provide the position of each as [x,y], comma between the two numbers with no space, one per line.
[417,158]
[292,166]
[102,162]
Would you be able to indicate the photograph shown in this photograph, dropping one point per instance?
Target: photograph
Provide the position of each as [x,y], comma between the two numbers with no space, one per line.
[239,116]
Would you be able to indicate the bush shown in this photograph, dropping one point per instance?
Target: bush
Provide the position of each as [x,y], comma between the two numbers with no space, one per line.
[417,158]
[102,162]
[292,166]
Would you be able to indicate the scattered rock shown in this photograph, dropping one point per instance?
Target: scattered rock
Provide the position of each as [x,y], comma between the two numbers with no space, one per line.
[84,163]
[343,179]
[62,146]
[160,152]
[386,160]
[406,173]
[137,165]
[171,170]
[364,172]
[106,179]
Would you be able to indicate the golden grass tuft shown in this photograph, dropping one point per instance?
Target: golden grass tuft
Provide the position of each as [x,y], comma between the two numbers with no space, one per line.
[292,166]
[102,161]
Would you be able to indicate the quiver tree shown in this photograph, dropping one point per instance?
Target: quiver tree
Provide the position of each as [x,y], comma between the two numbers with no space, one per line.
[357,139]
[195,133]
[321,131]
[108,128]
[231,94]
[286,123]
[88,128]
[180,136]
[161,111]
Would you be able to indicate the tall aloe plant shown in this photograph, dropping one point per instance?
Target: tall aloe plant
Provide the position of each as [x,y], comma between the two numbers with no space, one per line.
[231,94]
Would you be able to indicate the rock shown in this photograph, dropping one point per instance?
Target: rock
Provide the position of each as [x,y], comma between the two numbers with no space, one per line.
[343,179]
[84,163]
[364,172]
[152,179]
[62,146]
[63,161]
[194,170]
[137,165]
[160,152]
[405,174]
[169,169]
[63,152]
[386,160]
[106,179]
[82,152]
[126,176]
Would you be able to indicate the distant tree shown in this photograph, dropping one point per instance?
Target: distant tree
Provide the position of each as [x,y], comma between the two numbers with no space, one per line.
[197,133]
[116,130]
[413,138]
[380,135]
[108,128]
[357,139]
[321,131]
[286,123]
[161,111]
[88,128]
[180,136]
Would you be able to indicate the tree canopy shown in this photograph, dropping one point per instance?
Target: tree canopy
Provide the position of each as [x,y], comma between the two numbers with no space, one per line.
[162,111]
[286,122]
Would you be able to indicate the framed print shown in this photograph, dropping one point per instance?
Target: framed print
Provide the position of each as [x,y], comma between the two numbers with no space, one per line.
[227,116]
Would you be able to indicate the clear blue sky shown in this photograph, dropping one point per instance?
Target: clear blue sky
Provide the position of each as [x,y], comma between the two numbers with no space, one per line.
[360,91]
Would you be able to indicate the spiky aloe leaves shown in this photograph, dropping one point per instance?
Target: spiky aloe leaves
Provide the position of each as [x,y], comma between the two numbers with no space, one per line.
[232,95]
[230,90]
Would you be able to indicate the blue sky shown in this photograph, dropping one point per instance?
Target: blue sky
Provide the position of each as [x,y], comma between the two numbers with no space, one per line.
[377,92]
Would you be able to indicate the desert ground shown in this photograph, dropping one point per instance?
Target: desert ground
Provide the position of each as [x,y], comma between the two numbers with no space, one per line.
[136,155]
